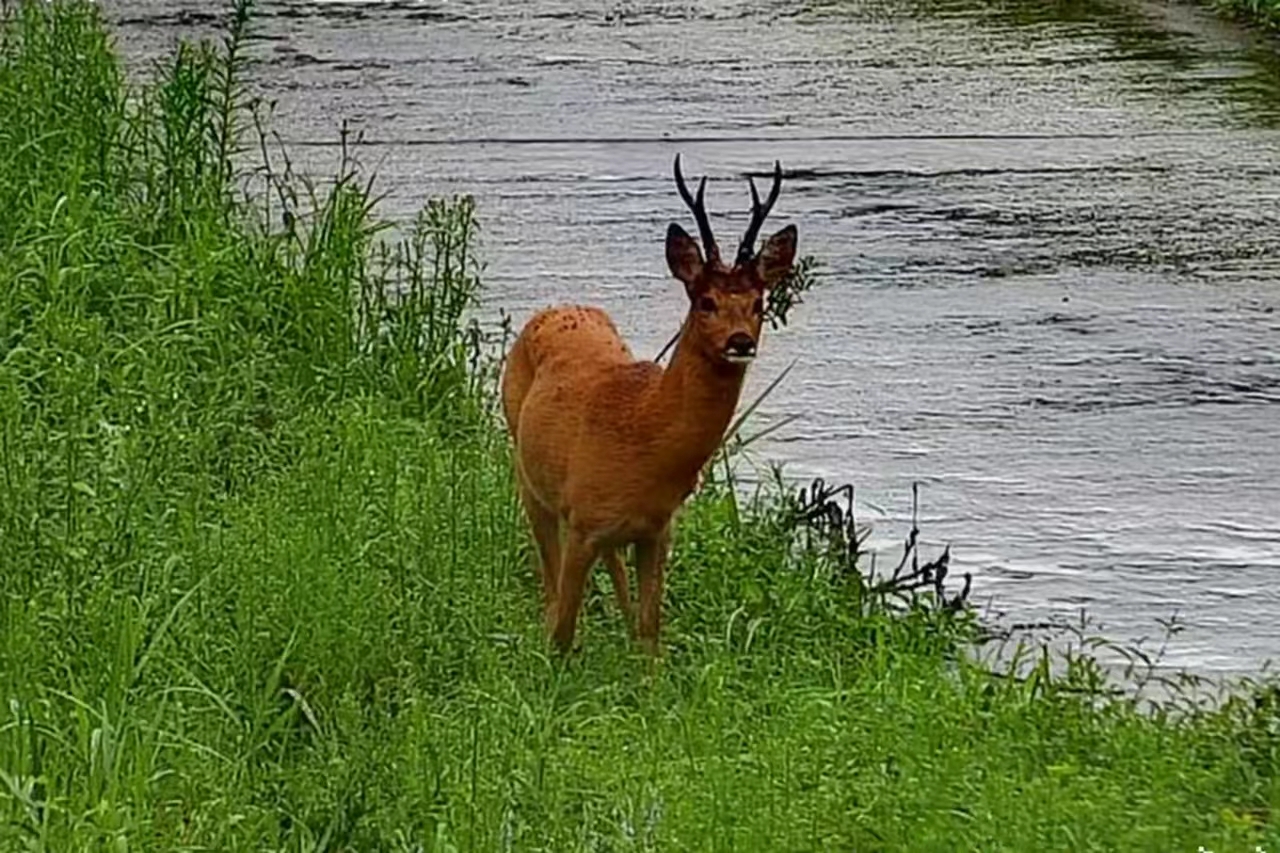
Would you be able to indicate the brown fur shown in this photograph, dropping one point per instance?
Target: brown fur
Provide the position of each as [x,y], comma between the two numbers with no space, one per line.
[608,447]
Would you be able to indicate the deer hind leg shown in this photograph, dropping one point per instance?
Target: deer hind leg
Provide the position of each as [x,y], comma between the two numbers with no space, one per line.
[579,555]
[651,558]
[618,572]
[546,533]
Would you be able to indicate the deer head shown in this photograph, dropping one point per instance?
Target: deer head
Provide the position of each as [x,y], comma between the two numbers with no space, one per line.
[726,303]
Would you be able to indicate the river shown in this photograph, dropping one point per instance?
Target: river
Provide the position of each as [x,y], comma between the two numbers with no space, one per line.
[1049,236]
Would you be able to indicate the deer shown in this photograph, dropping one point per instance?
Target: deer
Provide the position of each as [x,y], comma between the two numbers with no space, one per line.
[607,448]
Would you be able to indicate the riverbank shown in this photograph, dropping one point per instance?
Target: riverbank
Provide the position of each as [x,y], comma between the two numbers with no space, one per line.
[266,585]
[1262,13]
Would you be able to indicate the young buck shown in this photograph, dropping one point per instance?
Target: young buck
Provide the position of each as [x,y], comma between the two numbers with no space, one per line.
[610,447]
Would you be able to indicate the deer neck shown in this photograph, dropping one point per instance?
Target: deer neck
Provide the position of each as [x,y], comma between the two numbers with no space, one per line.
[698,399]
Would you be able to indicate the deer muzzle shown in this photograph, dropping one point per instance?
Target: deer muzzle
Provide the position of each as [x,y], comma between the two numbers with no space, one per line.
[740,348]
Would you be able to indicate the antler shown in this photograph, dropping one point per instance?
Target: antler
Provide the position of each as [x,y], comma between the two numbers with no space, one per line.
[748,247]
[699,213]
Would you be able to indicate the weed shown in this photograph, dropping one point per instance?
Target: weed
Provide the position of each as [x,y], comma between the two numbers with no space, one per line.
[1265,13]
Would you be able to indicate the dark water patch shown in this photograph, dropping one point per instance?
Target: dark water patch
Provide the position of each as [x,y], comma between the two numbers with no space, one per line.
[363,65]
[180,18]
[330,11]
[1077,323]
[285,54]
[433,16]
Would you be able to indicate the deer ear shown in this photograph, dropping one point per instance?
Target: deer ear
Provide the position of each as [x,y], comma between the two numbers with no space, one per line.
[776,256]
[683,255]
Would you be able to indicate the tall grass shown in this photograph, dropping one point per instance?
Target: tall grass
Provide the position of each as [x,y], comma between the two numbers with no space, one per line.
[1265,13]
[264,584]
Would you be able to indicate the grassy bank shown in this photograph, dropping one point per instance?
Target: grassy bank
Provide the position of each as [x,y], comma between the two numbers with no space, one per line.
[264,584]
[1264,13]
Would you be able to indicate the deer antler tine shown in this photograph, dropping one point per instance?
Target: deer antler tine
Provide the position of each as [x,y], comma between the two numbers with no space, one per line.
[747,250]
[680,186]
[777,187]
[699,212]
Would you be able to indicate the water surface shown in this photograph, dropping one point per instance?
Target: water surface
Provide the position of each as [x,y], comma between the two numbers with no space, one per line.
[1050,241]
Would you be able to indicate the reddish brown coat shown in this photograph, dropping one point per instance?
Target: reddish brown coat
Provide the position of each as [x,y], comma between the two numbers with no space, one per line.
[608,447]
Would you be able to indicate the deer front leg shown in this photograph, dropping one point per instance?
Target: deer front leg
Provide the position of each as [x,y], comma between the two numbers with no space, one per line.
[579,553]
[651,558]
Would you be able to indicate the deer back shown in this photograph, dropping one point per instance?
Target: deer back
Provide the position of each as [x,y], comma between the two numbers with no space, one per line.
[620,443]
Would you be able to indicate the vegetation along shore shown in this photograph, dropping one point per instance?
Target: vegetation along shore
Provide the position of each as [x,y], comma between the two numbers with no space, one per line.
[1264,13]
[266,584]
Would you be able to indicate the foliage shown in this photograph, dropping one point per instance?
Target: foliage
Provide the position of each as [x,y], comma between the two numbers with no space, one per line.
[1265,13]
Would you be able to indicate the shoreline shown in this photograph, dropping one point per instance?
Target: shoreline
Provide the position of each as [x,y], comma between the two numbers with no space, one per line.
[1259,14]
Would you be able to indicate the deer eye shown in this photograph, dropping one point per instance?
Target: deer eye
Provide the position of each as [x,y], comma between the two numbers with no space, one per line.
[706,303]
[758,306]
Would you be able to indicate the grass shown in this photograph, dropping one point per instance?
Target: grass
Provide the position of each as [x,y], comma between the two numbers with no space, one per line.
[264,584]
[1265,13]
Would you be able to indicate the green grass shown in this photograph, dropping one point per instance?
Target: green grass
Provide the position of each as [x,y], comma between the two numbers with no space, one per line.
[1265,13]
[265,585]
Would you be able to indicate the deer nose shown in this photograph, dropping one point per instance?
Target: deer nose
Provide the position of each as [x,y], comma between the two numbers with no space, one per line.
[740,346]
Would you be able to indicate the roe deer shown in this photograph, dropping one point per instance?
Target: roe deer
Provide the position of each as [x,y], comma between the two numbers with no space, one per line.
[611,446]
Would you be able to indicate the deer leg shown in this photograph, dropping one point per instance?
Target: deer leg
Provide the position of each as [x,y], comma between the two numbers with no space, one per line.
[579,555]
[546,533]
[651,558]
[618,571]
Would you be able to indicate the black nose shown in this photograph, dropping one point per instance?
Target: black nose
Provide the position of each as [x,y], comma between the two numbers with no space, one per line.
[740,344]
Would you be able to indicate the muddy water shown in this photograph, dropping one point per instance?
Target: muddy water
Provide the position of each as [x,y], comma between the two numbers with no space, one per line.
[1050,242]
